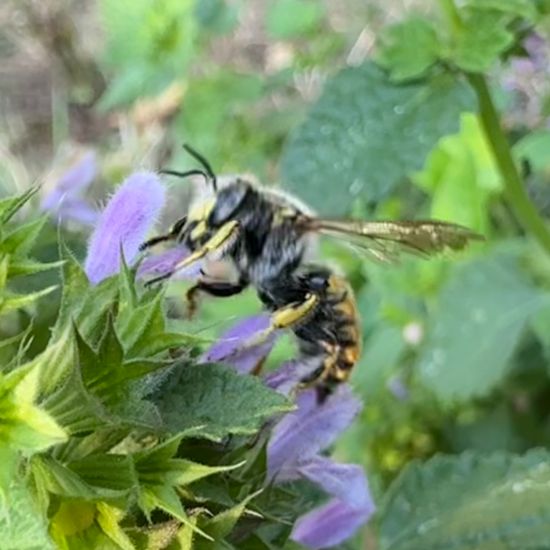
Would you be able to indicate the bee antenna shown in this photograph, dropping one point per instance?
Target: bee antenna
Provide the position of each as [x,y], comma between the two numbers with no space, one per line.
[205,164]
[194,172]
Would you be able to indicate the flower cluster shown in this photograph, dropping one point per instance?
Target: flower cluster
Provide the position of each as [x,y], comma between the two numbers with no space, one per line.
[300,439]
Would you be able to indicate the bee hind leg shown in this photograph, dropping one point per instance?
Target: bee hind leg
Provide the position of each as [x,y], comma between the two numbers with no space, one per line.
[283,318]
[218,288]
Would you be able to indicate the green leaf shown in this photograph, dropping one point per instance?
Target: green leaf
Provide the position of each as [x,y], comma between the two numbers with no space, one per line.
[11,205]
[461,176]
[521,8]
[21,239]
[107,471]
[143,332]
[108,518]
[21,525]
[365,134]
[409,49]
[158,466]
[9,301]
[470,502]
[218,399]
[481,313]
[108,376]
[86,305]
[483,37]
[166,498]
[535,147]
[25,426]
[223,523]
[292,18]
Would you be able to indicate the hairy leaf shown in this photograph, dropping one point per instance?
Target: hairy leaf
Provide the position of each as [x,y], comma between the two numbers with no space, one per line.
[409,48]
[365,134]
[481,313]
[218,399]
[470,502]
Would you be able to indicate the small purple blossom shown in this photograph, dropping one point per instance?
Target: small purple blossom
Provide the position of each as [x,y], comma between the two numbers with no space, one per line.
[310,429]
[125,221]
[164,262]
[232,346]
[66,199]
[398,388]
[299,437]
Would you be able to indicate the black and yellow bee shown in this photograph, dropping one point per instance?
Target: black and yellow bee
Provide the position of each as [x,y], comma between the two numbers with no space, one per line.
[269,237]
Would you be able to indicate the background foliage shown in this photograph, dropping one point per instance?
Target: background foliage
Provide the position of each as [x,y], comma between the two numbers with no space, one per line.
[386,110]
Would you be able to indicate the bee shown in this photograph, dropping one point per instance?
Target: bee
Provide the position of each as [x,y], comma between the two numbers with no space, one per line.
[269,238]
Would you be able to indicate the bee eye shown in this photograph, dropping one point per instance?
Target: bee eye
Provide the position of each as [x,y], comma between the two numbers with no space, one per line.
[317,283]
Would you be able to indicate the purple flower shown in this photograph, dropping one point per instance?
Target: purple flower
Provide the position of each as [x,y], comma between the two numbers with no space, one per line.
[293,453]
[165,262]
[126,220]
[66,199]
[299,438]
[237,347]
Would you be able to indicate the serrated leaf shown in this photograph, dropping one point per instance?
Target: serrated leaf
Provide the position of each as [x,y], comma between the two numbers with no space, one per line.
[21,525]
[158,466]
[365,134]
[108,518]
[108,376]
[75,408]
[24,266]
[11,205]
[481,313]
[21,239]
[409,48]
[9,301]
[218,399]
[165,498]
[223,523]
[107,471]
[86,305]
[55,361]
[142,329]
[470,502]
[25,426]
[483,37]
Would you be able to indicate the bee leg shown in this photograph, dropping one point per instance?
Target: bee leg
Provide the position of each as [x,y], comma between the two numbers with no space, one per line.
[172,235]
[220,289]
[321,378]
[216,244]
[285,317]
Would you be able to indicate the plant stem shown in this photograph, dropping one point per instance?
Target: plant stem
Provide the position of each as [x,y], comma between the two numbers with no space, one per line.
[515,192]
[453,17]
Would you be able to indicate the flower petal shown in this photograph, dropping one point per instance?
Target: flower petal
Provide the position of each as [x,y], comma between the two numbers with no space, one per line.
[288,375]
[330,524]
[126,220]
[346,482]
[310,429]
[74,181]
[78,210]
[234,348]
[165,262]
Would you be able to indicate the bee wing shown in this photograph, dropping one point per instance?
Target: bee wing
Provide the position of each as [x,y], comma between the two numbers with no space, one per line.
[386,240]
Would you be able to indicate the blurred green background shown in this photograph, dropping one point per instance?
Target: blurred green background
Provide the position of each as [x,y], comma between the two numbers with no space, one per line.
[456,349]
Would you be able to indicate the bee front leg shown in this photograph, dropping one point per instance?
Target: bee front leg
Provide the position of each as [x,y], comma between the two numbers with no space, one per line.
[219,289]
